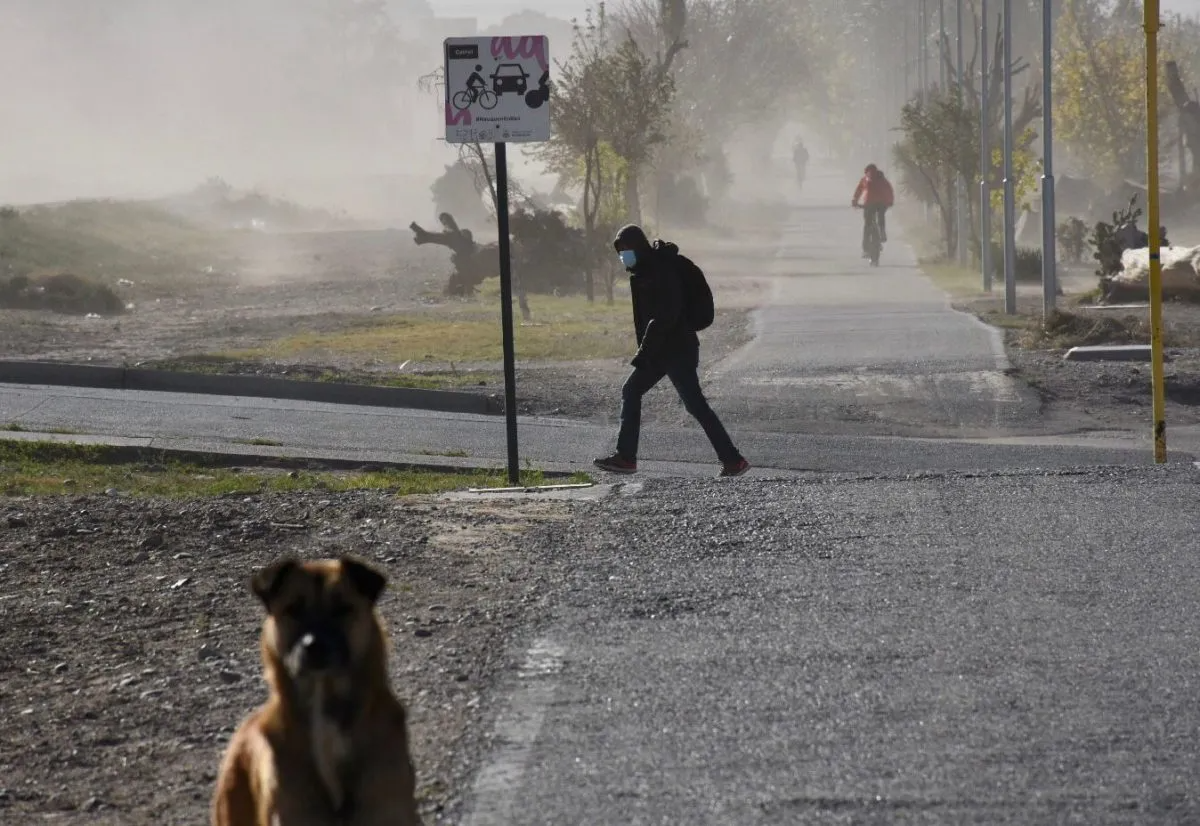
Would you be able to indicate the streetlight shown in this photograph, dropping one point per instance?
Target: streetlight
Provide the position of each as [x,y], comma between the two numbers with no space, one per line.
[1150,23]
[1049,270]
[960,183]
[1010,207]
[985,157]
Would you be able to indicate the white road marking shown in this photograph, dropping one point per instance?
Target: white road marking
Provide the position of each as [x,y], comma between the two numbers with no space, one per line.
[983,383]
[499,782]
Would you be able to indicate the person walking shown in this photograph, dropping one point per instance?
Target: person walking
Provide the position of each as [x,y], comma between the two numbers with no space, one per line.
[667,346]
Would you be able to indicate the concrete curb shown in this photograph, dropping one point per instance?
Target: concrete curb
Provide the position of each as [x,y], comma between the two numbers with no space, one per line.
[1110,352]
[170,381]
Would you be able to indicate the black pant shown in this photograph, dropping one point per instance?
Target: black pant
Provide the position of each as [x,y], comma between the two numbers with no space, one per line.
[681,369]
[874,212]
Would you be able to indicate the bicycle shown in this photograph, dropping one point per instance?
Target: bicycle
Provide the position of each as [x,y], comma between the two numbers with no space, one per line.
[485,97]
[872,245]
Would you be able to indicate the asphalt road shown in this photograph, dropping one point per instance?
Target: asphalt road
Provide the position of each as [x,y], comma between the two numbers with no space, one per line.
[983,648]
[217,423]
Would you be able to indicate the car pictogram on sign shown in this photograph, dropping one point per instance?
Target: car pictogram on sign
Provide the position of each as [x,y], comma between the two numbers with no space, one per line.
[509,77]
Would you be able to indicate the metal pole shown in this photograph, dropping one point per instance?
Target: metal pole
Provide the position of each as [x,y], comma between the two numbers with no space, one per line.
[985,157]
[942,70]
[908,62]
[1010,206]
[1049,261]
[923,12]
[960,185]
[923,38]
[1156,340]
[506,314]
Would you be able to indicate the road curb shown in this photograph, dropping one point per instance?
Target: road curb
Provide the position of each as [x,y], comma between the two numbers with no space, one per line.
[171,381]
[1109,352]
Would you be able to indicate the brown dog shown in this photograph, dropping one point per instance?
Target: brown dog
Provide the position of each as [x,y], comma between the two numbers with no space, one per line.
[330,745]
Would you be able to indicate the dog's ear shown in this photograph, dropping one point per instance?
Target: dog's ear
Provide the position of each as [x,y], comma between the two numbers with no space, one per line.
[267,582]
[365,579]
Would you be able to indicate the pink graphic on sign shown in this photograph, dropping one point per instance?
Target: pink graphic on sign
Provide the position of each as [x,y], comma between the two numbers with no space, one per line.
[456,116]
[521,48]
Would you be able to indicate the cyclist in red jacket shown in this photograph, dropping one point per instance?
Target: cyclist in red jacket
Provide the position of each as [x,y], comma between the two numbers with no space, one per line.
[875,192]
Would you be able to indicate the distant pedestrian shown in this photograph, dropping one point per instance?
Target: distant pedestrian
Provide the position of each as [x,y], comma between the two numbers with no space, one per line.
[671,301]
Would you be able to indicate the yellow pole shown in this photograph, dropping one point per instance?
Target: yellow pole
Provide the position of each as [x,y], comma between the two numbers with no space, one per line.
[1156,342]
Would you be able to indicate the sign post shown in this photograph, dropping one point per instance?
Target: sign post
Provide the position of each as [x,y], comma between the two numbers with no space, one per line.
[1151,25]
[498,92]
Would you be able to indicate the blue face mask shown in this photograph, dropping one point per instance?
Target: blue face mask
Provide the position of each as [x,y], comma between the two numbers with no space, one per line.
[628,258]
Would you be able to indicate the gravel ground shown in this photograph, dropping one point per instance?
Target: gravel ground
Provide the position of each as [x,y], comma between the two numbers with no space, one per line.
[935,648]
[128,649]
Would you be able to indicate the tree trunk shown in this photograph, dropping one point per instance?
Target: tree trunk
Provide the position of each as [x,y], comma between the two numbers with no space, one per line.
[1188,109]
[589,223]
[633,201]
[948,224]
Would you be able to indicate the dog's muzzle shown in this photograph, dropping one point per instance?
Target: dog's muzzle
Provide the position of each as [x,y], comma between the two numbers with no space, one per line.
[318,648]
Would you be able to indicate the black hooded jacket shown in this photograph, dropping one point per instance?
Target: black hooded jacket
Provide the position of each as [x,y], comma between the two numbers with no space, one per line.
[657,292]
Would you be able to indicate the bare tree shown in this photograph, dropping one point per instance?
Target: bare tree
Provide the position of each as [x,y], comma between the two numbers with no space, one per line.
[581,118]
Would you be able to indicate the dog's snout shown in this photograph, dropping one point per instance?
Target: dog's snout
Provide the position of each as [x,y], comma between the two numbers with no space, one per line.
[315,651]
[318,649]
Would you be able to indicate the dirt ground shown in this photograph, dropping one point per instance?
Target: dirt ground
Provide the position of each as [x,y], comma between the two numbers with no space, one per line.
[317,282]
[128,649]
[273,285]
[1105,395]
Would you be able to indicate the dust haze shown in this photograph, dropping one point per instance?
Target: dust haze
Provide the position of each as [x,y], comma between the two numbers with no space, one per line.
[315,100]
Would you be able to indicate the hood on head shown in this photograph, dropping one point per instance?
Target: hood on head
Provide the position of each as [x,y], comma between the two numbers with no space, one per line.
[633,237]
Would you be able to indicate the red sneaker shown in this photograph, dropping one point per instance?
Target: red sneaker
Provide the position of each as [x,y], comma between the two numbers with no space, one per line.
[616,464]
[736,468]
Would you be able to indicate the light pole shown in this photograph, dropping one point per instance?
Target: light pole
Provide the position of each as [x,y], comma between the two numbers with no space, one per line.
[1010,207]
[907,61]
[985,157]
[1049,268]
[960,184]
[923,37]
[923,75]
[943,75]
[1158,390]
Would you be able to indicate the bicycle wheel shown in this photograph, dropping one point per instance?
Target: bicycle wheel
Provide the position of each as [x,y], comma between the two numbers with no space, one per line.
[873,244]
[461,100]
[487,98]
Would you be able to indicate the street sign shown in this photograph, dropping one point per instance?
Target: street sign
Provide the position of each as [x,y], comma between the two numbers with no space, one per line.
[498,92]
[497,89]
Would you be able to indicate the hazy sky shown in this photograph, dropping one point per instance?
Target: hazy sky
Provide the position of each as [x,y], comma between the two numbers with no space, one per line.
[492,11]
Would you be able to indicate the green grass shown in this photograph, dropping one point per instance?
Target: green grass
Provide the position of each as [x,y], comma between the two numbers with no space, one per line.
[563,329]
[461,454]
[53,468]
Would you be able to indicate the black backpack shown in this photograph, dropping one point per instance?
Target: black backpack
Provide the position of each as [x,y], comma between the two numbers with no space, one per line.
[698,306]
